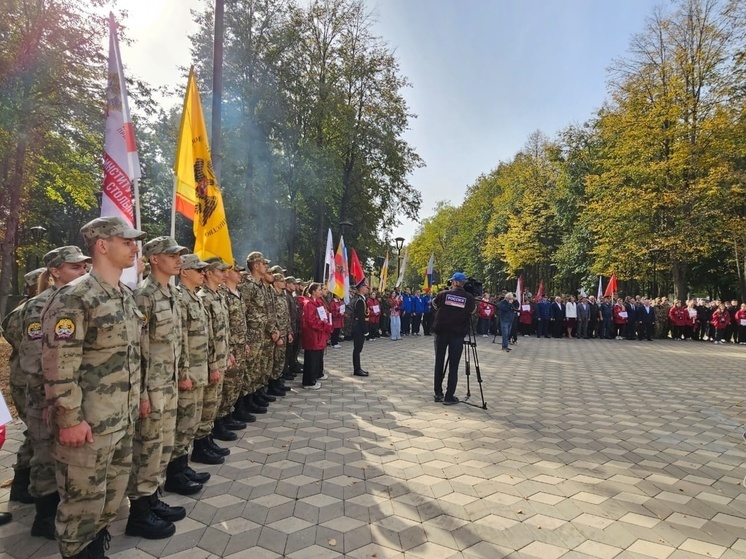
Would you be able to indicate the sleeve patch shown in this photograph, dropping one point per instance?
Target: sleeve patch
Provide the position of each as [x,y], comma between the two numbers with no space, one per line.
[64,329]
[33,331]
[455,301]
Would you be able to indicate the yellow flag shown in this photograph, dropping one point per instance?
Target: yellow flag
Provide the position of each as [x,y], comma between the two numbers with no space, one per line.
[198,195]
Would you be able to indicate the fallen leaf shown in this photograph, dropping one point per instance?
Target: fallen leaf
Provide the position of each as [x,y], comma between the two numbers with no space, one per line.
[332,542]
[520,512]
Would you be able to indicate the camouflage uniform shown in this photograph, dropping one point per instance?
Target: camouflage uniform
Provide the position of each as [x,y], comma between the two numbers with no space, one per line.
[217,356]
[91,364]
[234,377]
[252,293]
[192,365]
[161,350]
[283,326]
[661,320]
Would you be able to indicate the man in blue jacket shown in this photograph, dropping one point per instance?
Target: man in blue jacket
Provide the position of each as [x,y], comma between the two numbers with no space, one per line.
[418,310]
[543,314]
[407,307]
[506,313]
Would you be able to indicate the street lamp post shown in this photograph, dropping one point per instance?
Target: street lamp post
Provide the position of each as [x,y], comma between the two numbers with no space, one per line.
[399,245]
[344,226]
[37,233]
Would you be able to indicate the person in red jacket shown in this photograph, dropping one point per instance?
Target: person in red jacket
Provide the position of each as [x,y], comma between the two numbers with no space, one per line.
[741,324]
[337,310]
[620,318]
[374,316]
[526,318]
[720,321]
[315,331]
[679,318]
[486,311]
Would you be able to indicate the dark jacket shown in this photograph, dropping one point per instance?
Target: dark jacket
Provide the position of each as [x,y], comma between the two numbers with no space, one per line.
[453,309]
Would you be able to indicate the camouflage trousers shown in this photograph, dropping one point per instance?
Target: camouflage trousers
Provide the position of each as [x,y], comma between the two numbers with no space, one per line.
[92,482]
[232,384]
[267,361]
[188,414]
[153,443]
[210,404]
[278,361]
[43,477]
[26,450]
[252,374]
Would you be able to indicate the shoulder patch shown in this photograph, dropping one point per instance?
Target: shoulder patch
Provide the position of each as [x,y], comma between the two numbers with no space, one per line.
[455,301]
[64,329]
[33,331]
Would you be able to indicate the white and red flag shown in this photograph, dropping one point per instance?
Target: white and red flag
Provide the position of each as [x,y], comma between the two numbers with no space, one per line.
[121,165]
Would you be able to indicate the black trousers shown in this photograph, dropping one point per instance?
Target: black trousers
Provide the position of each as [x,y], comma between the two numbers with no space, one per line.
[416,319]
[335,336]
[313,366]
[358,341]
[427,320]
[455,347]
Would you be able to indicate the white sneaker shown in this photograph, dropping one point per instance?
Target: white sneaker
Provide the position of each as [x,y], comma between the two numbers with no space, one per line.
[313,386]
[336,346]
[323,377]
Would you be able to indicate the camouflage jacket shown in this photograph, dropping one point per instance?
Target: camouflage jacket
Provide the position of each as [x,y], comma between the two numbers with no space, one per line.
[12,330]
[91,354]
[293,311]
[257,321]
[194,338]
[30,352]
[282,311]
[161,339]
[237,321]
[217,329]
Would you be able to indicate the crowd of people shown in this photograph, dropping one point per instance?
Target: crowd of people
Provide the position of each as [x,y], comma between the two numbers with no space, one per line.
[121,389]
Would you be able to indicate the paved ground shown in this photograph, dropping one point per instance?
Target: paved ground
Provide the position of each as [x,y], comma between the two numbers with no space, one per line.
[587,449]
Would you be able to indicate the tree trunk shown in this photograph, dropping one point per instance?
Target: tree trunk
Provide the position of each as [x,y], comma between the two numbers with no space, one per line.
[15,190]
[320,242]
[679,273]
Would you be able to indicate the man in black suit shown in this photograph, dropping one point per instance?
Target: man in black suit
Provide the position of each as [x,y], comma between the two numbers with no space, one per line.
[631,308]
[646,320]
[558,317]
[594,330]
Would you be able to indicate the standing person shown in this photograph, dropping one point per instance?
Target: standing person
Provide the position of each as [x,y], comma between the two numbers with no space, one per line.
[720,321]
[418,309]
[630,305]
[584,317]
[337,309]
[526,318]
[646,319]
[543,316]
[678,316]
[64,265]
[741,324]
[314,332]
[453,310]
[153,442]
[485,310]
[374,316]
[385,319]
[593,319]
[505,314]
[407,306]
[192,378]
[690,327]
[427,314]
[620,319]
[571,317]
[91,364]
[395,315]
[557,318]
[606,317]
[361,313]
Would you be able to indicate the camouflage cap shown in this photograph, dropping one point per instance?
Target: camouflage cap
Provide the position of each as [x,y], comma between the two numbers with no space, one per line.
[64,255]
[32,277]
[277,269]
[107,228]
[278,277]
[217,262]
[290,279]
[256,256]
[163,245]
[192,262]
[238,267]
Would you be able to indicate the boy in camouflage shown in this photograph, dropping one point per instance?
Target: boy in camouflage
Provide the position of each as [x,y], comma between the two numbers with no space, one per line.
[91,364]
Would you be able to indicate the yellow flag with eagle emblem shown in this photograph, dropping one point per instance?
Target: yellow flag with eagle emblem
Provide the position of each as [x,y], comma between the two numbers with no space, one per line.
[197,193]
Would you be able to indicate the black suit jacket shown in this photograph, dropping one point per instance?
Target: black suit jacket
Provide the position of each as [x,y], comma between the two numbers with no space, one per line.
[558,311]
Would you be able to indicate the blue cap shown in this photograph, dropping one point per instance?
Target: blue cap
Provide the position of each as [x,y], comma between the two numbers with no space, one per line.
[458,276]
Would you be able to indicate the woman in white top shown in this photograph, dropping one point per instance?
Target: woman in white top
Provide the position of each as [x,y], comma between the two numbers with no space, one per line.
[571,315]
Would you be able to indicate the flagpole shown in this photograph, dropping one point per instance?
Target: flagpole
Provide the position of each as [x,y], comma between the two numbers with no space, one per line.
[173,209]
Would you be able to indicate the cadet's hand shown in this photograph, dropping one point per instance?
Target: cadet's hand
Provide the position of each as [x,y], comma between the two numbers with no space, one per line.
[185,384]
[77,435]
[280,342]
[275,335]
[231,361]
[215,377]
[290,338]
[248,349]
[144,408]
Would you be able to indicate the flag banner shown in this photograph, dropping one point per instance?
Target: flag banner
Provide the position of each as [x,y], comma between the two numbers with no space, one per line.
[356,270]
[339,277]
[519,290]
[328,256]
[198,195]
[540,291]
[384,273]
[428,285]
[403,268]
[600,292]
[121,164]
[611,288]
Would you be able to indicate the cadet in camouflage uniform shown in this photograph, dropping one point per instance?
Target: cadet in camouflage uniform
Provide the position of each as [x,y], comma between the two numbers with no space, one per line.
[91,362]
[219,359]
[283,326]
[180,478]
[158,300]
[64,265]
[288,372]
[271,339]
[232,416]
[13,332]
[253,294]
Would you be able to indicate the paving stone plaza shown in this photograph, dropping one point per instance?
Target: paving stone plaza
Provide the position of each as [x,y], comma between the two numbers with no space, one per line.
[587,448]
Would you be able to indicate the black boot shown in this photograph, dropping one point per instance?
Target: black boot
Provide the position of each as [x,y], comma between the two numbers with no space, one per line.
[274,389]
[46,510]
[264,395]
[219,450]
[232,424]
[220,432]
[198,477]
[243,416]
[252,404]
[19,490]
[143,523]
[202,453]
[164,511]
[177,479]
[97,548]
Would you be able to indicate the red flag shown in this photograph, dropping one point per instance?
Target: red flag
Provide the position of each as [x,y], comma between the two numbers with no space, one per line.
[356,270]
[611,288]
[540,291]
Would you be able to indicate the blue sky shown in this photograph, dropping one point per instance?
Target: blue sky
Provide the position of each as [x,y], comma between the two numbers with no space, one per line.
[485,73]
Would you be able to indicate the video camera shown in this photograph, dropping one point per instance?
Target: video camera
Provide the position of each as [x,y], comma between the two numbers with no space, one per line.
[472,286]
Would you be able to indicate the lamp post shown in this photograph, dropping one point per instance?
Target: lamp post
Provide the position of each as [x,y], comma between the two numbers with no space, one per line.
[36,233]
[344,226]
[399,245]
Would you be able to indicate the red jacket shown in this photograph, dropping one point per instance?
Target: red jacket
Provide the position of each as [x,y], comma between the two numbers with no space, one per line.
[619,319]
[373,317]
[395,306]
[315,332]
[486,310]
[720,319]
[338,315]
[679,316]
[740,315]
[527,317]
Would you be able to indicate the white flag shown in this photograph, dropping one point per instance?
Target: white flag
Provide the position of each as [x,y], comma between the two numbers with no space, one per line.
[121,165]
[328,256]
[400,279]
[600,288]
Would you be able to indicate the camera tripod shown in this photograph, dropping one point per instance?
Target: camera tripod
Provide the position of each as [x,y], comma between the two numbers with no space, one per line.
[470,354]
